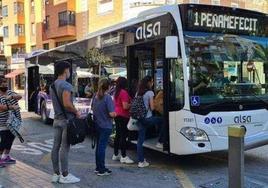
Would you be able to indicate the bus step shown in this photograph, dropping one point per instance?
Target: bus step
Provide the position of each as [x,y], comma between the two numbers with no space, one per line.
[150,143]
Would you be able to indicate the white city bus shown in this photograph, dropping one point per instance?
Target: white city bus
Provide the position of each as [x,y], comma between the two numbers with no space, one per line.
[210,61]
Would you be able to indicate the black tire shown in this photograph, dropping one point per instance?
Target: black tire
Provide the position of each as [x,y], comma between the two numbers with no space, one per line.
[45,119]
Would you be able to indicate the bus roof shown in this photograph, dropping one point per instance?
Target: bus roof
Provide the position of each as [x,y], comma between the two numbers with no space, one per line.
[152,13]
[145,15]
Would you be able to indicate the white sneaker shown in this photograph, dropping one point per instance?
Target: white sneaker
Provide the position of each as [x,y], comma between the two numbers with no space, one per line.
[126,160]
[159,145]
[116,157]
[143,164]
[69,179]
[55,178]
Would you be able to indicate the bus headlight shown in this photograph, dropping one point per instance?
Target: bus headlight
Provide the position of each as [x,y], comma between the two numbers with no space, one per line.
[194,134]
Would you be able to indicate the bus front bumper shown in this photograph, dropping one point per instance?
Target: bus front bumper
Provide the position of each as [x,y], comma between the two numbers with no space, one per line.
[220,143]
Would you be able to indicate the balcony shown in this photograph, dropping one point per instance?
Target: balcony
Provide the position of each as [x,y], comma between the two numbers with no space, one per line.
[57,32]
[18,58]
[59,20]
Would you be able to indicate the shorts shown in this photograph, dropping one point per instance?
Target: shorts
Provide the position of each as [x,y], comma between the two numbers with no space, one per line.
[6,140]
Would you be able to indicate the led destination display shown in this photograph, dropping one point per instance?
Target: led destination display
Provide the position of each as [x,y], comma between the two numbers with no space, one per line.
[223,20]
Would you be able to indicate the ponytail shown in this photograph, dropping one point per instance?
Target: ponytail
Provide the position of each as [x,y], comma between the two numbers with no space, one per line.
[103,86]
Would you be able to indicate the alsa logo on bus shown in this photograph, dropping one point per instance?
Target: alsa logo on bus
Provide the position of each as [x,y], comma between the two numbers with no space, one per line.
[242,119]
[148,31]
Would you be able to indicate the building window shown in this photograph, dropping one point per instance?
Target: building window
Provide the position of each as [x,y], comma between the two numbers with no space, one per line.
[235,5]
[18,8]
[216,2]
[32,6]
[18,50]
[1,48]
[46,46]
[105,6]
[46,23]
[5,11]
[5,31]
[63,42]
[33,29]
[19,30]
[66,18]
[33,48]
[194,1]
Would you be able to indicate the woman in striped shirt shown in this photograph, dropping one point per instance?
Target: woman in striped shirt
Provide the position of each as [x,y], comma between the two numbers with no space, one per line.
[8,101]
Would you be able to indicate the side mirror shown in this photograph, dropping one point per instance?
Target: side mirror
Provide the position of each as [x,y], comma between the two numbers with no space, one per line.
[171,47]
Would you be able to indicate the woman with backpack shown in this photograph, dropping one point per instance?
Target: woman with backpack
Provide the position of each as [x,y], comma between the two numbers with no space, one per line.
[145,90]
[122,104]
[103,110]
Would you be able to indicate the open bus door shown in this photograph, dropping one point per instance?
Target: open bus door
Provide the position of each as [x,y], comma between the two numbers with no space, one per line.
[33,81]
[149,59]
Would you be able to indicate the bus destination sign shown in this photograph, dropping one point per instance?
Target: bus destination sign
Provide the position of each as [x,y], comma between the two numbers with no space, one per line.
[204,18]
[213,20]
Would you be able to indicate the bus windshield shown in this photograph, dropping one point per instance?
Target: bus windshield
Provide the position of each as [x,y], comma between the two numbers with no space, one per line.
[227,69]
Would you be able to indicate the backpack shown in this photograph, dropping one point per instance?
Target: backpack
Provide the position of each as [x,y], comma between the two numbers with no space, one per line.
[138,109]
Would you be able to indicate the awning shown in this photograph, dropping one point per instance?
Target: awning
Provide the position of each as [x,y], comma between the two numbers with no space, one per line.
[14,73]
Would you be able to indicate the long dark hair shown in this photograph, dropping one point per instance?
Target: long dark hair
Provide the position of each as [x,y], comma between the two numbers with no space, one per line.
[133,87]
[144,85]
[121,83]
[103,86]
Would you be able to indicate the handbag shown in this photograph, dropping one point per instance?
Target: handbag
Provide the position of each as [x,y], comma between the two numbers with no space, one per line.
[92,125]
[14,124]
[76,127]
[92,129]
[132,124]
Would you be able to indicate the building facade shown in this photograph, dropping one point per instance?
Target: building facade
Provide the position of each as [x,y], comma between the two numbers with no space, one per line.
[30,25]
[3,66]
[14,39]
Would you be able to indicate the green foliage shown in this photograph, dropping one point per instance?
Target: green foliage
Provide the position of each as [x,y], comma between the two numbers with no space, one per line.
[95,57]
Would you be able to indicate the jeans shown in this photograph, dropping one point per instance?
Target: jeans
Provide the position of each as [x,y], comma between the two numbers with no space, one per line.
[102,141]
[61,148]
[120,140]
[143,125]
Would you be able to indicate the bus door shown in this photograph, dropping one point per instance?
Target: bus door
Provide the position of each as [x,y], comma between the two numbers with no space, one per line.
[148,59]
[33,80]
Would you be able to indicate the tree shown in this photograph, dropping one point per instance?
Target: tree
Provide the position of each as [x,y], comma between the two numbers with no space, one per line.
[96,59]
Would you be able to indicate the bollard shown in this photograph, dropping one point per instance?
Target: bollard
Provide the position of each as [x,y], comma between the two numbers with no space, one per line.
[236,156]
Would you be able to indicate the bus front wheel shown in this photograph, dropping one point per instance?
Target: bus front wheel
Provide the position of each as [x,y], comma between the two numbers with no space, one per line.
[44,116]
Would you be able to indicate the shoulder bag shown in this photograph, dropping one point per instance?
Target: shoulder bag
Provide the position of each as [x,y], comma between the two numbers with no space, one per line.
[14,124]
[76,127]
[92,127]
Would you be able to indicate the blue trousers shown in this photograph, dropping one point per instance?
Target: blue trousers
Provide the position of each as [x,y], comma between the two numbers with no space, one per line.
[143,125]
[102,141]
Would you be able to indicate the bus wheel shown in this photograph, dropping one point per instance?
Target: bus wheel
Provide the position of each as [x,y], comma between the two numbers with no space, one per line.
[45,119]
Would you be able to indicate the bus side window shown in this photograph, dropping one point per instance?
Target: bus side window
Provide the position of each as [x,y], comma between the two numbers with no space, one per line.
[176,84]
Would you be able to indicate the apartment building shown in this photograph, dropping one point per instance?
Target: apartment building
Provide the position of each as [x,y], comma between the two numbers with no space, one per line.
[14,39]
[30,25]
[104,13]
[3,66]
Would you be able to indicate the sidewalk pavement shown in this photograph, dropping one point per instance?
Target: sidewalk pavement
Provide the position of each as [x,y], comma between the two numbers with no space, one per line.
[21,175]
